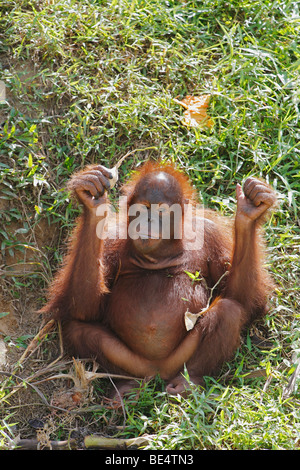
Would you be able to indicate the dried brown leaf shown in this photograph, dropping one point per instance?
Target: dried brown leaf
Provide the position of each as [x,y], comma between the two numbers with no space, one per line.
[195,114]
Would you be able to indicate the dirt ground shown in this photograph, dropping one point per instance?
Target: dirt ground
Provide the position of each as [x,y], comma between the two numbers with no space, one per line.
[47,394]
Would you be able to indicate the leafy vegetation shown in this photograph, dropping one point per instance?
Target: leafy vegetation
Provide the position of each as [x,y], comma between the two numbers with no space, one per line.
[88,81]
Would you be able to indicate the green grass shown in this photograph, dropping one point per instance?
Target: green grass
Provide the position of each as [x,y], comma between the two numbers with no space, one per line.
[87,81]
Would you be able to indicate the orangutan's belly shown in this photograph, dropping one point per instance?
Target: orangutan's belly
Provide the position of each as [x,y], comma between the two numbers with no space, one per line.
[149,316]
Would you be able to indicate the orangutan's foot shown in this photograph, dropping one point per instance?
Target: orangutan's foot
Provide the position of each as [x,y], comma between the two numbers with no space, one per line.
[122,388]
[180,386]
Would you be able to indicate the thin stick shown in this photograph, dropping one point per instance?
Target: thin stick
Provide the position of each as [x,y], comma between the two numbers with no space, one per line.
[118,164]
[34,444]
[35,343]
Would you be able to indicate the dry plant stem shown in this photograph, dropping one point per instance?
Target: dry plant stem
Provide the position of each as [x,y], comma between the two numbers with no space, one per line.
[266,386]
[33,444]
[114,170]
[131,152]
[89,442]
[289,389]
[95,376]
[121,402]
[27,382]
[113,443]
[59,376]
[35,343]
[32,347]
